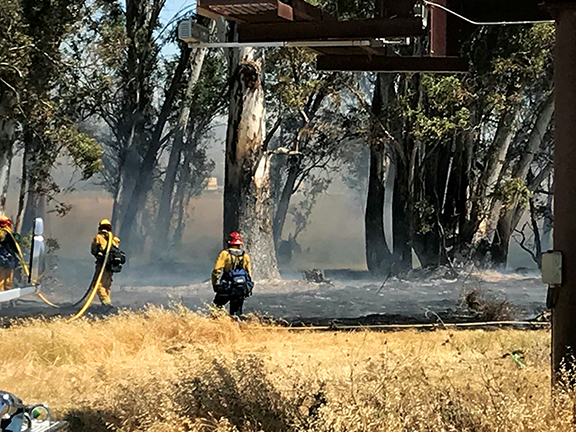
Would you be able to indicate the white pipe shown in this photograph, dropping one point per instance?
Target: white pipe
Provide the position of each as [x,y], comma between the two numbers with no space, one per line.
[310,44]
[16,293]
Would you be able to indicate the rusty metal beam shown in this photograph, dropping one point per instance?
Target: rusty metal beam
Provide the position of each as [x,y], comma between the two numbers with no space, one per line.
[438,30]
[391,64]
[357,29]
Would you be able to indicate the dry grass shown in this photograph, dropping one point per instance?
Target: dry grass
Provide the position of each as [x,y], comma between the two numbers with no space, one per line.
[173,370]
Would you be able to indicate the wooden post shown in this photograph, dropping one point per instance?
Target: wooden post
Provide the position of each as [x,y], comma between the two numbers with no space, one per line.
[563,316]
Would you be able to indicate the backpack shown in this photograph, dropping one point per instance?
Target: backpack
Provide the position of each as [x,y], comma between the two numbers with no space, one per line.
[8,259]
[237,282]
[116,259]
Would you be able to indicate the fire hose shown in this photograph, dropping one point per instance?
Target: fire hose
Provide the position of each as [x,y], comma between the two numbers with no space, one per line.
[92,288]
[96,282]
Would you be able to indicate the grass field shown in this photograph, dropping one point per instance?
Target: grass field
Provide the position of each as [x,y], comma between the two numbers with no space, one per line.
[162,370]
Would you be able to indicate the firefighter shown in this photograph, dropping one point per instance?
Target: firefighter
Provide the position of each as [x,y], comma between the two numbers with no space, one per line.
[98,249]
[232,276]
[8,254]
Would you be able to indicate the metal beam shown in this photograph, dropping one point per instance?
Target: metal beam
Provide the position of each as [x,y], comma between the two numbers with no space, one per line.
[356,29]
[438,27]
[392,64]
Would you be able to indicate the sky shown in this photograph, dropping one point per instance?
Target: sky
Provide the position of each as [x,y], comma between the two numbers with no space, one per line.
[172,9]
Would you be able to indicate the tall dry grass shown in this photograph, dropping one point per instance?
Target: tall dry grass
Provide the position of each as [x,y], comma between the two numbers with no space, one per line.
[163,370]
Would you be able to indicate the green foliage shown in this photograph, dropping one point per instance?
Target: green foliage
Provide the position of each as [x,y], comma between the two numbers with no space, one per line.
[444,111]
[424,214]
[15,47]
[52,245]
[293,77]
[514,192]
[85,151]
[209,97]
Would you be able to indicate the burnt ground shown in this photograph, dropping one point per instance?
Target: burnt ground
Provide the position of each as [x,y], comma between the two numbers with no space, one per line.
[348,298]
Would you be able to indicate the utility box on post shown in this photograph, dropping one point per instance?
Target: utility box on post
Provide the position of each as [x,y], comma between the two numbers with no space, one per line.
[190,31]
[552,268]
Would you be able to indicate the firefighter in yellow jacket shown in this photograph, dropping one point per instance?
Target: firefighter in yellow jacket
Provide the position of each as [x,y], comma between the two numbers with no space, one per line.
[98,249]
[8,254]
[232,275]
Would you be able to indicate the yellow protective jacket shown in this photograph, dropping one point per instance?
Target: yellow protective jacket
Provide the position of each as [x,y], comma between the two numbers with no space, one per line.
[227,260]
[3,234]
[98,247]
[6,238]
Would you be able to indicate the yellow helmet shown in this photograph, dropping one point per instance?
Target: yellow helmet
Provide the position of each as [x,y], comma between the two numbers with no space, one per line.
[105,224]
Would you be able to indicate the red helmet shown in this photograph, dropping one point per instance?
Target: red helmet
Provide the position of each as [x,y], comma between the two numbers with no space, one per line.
[5,222]
[235,238]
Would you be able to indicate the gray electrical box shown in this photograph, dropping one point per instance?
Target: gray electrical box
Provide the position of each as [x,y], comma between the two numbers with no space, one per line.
[192,32]
[552,268]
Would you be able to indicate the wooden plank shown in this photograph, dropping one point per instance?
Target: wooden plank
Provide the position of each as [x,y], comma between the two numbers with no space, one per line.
[285,11]
[252,11]
[391,64]
[356,29]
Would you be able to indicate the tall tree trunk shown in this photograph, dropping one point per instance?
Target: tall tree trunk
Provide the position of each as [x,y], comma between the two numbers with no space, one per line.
[401,225]
[284,203]
[7,130]
[536,232]
[378,255]
[22,193]
[548,220]
[485,204]
[33,179]
[127,171]
[144,179]
[180,202]
[164,215]
[247,197]
[31,211]
[509,218]
[137,99]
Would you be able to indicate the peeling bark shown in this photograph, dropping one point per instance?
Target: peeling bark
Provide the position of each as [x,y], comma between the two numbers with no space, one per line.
[247,193]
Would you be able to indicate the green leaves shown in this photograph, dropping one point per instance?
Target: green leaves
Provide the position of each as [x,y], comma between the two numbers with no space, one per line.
[513,192]
[85,151]
[293,77]
[443,111]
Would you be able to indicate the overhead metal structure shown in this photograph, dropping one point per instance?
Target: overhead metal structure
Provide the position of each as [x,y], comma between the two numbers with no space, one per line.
[296,22]
[281,23]
[448,25]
